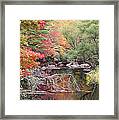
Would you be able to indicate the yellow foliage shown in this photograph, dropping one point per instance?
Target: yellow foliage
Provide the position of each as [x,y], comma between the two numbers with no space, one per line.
[93,76]
[23,40]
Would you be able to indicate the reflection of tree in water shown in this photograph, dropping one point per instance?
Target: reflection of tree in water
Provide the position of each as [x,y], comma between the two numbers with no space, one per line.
[57,84]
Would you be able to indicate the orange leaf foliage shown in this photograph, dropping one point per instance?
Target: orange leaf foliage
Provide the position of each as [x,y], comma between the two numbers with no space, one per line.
[27,60]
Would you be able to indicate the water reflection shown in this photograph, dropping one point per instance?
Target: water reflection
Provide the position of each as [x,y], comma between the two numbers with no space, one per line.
[58,84]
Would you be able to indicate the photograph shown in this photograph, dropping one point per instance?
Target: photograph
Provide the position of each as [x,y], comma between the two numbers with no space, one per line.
[59,59]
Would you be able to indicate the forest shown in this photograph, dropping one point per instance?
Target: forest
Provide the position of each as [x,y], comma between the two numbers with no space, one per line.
[59,59]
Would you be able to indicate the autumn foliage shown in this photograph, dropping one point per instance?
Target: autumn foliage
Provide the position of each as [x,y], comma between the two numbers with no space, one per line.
[51,55]
[61,39]
[28,60]
[38,40]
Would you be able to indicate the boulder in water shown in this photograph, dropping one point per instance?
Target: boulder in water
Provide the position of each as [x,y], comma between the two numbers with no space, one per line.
[85,65]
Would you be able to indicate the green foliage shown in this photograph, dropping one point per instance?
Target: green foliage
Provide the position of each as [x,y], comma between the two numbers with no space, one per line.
[88,52]
[89,30]
[31,35]
[44,31]
[83,36]
[70,55]
[71,33]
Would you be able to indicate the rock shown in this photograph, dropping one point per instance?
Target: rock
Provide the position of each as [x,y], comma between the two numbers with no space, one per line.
[73,65]
[61,65]
[51,66]
[87,70]
[69,65]
[85,65]
[43,68]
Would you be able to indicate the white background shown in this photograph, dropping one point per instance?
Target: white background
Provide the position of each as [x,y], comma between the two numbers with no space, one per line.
[13,104]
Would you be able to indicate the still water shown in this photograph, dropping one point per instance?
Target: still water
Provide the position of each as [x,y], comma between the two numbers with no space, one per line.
[59,84]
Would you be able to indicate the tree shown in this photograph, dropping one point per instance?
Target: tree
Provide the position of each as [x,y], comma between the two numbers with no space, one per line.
[60,44]
[28,60]
[83,37]
[32,32]
[71,33]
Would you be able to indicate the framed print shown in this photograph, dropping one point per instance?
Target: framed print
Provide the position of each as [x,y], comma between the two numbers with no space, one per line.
[59,60]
